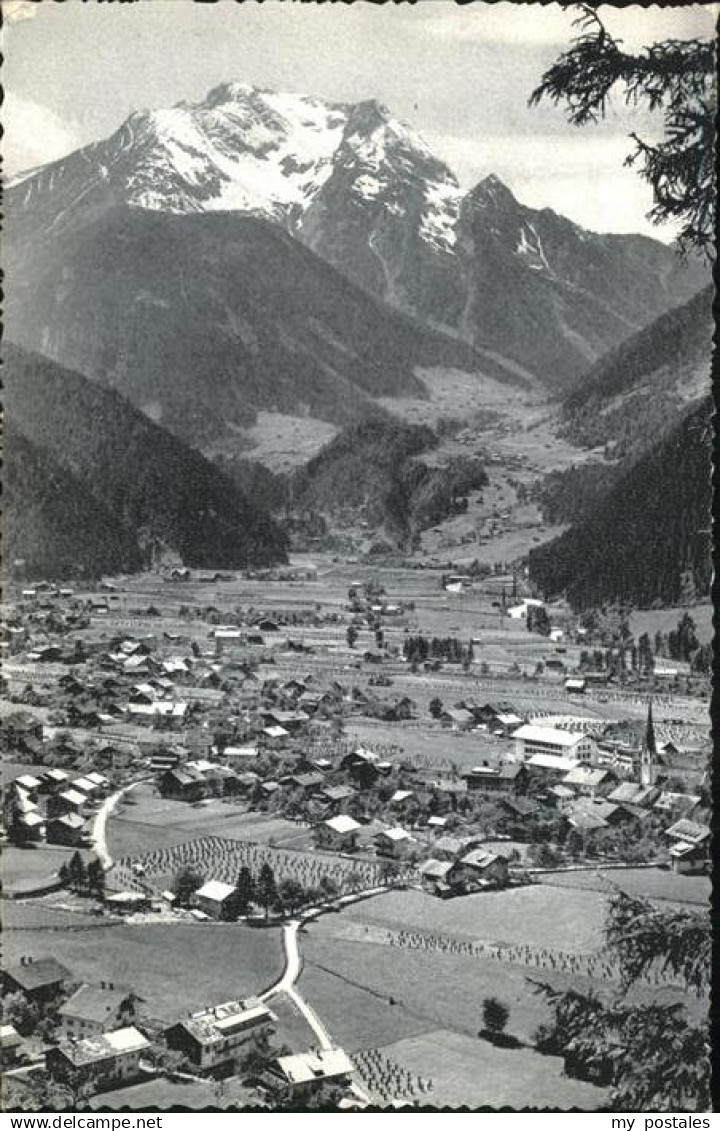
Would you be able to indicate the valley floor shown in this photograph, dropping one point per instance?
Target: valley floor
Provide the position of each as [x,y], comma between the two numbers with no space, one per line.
[397,979]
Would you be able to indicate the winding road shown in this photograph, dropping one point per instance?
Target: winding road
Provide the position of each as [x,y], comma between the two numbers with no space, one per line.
[286,985]
[99,838]
[293,961]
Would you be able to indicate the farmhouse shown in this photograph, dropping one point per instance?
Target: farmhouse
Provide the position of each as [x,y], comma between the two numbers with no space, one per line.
[69,801]
[68,830]
[401,799]
[452,847]
[586,781]
[182,784]
[396,843]
[306,1073]
[690,847]
[291,721]
[518,807]
[589,813]
[445,787]
[499,717]
[275,737]
[93,1010]
[335,796]
[98,1062]
[508,777]
[457,718]
[127,902]
[585,821]
[306,782]
[168,709]
[573,745]
[478,869]
[338,833]
[52,780]
[230,641]
[213,897]
[214,1038]
[433,875]
[561,797]
[39,980]
[29,785]
[90,788]
[633,793]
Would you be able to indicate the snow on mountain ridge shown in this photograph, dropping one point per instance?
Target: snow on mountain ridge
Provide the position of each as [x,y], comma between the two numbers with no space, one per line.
[270,153]
[266,156]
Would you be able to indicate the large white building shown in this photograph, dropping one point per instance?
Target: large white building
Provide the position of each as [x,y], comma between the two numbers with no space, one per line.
[572,745]
[214,1038]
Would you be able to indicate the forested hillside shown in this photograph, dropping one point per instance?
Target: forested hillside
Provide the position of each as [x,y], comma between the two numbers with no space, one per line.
[635,393]
[375,472]
[53,523]
[571,494]
[649,538]
[170,497]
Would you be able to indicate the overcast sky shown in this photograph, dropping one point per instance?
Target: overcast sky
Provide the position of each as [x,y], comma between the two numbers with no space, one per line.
[460,75]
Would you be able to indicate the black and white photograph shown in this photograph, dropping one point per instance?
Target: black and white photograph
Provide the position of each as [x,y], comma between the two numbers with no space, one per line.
[357,626]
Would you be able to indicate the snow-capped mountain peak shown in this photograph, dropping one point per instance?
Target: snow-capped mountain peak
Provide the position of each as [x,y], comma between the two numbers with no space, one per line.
[289,158]
[271,153]
[296,160]
[240,149]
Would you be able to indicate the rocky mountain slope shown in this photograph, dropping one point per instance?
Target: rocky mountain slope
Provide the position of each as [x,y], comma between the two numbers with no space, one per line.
[201,320]
[649,538]
[553,295]
[366,193]
[89,453]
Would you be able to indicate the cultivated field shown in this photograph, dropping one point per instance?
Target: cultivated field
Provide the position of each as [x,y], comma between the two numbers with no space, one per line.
[567,920]
[215,858]
[652,883]
[373,996]
[466,1072]
[400,980]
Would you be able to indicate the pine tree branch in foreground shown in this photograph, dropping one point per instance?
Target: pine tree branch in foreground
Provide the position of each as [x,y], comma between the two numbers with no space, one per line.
[675,78]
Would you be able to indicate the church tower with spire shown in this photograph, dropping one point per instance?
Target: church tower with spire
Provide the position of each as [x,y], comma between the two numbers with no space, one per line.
[648,752]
